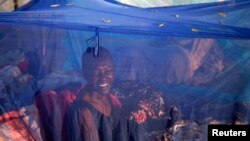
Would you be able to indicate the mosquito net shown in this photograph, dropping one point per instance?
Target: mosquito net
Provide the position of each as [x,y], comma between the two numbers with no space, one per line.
[92,70]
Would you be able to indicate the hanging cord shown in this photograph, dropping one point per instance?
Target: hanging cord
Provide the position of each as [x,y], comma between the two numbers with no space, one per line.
[94,44]
[97,47]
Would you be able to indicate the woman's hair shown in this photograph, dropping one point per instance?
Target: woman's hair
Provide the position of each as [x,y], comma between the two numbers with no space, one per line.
[89,58]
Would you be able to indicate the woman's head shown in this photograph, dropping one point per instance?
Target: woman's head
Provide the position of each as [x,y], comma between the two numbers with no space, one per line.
[98,71]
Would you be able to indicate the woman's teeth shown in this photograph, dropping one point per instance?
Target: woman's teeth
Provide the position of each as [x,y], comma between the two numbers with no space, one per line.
[103,85]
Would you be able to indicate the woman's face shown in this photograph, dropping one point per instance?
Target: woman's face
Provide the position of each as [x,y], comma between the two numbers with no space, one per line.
[100,76]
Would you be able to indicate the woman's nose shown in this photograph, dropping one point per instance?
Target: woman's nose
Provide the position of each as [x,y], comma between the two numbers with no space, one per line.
[103,75]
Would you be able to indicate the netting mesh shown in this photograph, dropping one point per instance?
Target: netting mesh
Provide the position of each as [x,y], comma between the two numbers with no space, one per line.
[68,79]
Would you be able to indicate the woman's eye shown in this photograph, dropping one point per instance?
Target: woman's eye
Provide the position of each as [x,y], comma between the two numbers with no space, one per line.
[95,73]
[109,71]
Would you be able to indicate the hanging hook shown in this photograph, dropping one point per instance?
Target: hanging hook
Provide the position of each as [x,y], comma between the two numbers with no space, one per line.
[97,47]
[93,44]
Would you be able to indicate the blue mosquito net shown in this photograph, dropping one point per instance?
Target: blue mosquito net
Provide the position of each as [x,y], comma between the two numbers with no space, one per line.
[73,70]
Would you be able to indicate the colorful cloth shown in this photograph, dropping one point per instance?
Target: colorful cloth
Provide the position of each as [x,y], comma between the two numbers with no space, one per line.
[144,107]
[141,101]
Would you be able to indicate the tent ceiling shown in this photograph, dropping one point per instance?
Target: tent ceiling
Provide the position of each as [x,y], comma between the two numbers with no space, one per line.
[199,20]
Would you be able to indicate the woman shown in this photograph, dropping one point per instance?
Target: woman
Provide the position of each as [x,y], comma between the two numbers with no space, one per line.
[96,113]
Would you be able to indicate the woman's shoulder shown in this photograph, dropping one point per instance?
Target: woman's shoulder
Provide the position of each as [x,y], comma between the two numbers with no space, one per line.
[115,101]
